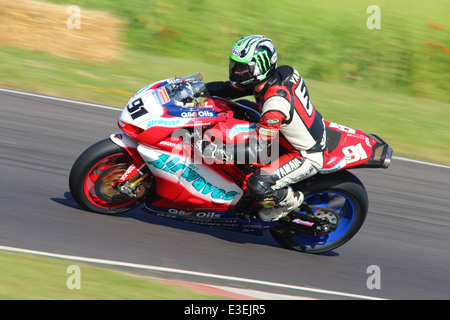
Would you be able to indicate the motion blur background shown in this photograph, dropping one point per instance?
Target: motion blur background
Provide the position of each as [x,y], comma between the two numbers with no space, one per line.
[393,80]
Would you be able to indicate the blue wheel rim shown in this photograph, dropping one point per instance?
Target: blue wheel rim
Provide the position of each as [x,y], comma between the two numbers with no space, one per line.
[339,202]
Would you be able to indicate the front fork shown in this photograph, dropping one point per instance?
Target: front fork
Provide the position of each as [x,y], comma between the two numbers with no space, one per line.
[132,182]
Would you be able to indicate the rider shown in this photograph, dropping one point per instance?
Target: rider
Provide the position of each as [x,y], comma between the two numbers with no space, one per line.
[287,114]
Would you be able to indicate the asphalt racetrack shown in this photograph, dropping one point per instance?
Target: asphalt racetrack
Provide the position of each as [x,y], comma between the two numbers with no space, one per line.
[406,235]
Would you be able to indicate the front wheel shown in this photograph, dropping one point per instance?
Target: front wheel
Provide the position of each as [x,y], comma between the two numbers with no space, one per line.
[344,194]
[93,179]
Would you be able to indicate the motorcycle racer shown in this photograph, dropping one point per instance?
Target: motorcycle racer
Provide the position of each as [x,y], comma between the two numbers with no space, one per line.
[288,118]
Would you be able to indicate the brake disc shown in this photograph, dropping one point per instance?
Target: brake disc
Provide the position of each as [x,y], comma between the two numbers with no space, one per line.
[105,186]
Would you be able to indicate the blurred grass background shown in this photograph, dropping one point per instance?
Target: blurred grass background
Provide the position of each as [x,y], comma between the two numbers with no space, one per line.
[326,40]
[393,81]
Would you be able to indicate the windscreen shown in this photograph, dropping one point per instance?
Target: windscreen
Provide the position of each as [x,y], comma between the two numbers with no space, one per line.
[188,92]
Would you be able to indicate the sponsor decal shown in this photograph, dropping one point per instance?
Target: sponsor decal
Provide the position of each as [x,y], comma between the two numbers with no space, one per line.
[164,95]
[242,128]
[198,114]
[163,122]
[209,218]
[289,167]
[131,171]
[193,113]
[302,222]
[189,174]
[342,128]
[173,145]
[200,214]
[267,132]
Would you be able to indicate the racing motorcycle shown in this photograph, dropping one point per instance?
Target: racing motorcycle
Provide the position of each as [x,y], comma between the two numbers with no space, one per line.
[155,162]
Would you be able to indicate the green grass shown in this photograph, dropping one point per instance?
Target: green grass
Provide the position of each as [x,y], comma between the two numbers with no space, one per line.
[29,277]
[111,83]
[416,128]
[327,40]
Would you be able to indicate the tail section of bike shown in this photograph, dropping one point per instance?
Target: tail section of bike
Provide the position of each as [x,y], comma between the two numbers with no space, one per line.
[351,148]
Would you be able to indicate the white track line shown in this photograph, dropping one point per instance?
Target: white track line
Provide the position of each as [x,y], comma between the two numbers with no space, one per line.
[423,162]
[58,99]
[119,110]
[187,272]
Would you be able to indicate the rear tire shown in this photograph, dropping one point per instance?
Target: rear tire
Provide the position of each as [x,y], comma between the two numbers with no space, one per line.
[347,194]
[92,178]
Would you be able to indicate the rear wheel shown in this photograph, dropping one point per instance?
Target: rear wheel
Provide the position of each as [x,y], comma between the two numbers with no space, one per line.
[341,192]
[93,179]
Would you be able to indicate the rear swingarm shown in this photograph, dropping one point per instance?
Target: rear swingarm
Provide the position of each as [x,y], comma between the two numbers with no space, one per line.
[317,221]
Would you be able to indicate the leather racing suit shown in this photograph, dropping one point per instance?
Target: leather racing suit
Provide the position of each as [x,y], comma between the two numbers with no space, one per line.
[288,118]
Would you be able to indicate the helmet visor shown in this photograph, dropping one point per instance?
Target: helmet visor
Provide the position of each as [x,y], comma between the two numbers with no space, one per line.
[241,73]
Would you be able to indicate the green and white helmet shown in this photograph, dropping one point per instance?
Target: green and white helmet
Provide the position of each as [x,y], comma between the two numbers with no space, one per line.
[253,59]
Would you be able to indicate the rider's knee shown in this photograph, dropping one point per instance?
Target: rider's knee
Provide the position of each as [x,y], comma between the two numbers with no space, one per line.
[259,187]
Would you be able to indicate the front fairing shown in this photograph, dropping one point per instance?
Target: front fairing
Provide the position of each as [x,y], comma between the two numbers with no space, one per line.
[170,103]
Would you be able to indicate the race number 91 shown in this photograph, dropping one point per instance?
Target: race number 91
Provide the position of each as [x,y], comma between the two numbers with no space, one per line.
[136,109]
[354,153]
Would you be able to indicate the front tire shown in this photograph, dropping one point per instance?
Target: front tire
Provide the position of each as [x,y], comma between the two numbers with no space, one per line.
[93,176]
[341,191]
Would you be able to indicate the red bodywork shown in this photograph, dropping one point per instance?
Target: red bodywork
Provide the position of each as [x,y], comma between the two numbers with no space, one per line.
[347,148]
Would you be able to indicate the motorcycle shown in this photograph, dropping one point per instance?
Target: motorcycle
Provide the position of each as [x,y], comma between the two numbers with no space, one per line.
[155,162]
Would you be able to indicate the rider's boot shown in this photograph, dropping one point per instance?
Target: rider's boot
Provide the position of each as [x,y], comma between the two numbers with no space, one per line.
[292,200]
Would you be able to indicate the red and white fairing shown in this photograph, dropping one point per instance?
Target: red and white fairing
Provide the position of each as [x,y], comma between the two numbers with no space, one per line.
[155,123]
[157,119]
